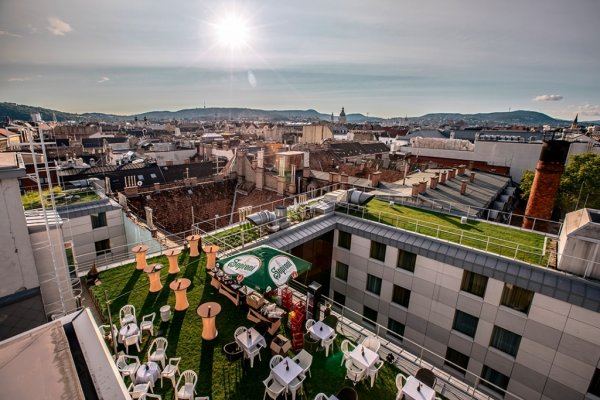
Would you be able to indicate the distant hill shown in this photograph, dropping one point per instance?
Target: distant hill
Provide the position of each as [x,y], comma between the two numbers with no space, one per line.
[520,117]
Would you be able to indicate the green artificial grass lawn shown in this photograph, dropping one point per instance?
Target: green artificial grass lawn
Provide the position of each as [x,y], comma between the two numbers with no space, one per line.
[506,241]
[217,377]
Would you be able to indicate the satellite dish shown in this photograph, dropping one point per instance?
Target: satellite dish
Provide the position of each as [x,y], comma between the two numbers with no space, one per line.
[139,183]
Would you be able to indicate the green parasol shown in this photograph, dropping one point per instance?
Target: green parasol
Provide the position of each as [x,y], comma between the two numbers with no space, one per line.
[263,268]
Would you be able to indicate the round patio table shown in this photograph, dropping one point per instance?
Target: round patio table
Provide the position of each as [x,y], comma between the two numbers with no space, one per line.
[172,257]
[140,255]
[193,240]
[179,286]
[211,256]
[148,372]
[153,271]
[208,312]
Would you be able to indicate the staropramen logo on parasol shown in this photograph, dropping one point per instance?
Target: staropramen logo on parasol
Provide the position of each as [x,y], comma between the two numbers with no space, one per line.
[244,265]
[281,268]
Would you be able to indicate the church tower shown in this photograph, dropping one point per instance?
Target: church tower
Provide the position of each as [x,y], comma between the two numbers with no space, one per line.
[342,119]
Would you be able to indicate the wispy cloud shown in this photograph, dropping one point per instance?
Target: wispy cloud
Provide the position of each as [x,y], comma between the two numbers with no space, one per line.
[7,33]
[104,79]
[58,26]
[19,79]
[548,97]
[32,29]
[589,110]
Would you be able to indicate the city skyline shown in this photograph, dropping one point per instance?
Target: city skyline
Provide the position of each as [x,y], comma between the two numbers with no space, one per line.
[387,59]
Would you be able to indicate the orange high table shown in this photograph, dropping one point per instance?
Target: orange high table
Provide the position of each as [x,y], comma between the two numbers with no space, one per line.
[153,271]
[211,256]
[193,240]
[172,256]
[140,256]
[179,286]
[208,312]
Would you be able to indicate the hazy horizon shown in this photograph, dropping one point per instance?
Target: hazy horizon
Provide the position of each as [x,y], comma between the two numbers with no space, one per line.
[385,59]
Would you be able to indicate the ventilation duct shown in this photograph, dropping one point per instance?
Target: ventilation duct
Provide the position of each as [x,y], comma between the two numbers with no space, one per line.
[359,198]
[262,217]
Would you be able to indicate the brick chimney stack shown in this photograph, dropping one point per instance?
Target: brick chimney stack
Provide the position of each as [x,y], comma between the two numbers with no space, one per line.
[415,189]
[443,177]
[463,187]
[472,177]
[422,187]
[434,181]
[451,173]
[375,178]
[461,169]
[546,181]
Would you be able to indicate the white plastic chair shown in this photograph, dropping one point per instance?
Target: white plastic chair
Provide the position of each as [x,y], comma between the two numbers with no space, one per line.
[170,371]
[295,385]
[309,322]
[139,391]
[272,388]
[372,343]
[252,353]
[128,366]
[130,341]
[147,324]
[374,370]
[400,380]
[239,330]
[106,333]
[327,343]
[304,359]
[160,351]
[321,396]
[188,390]
[127,315]
[345,347]
[354,373]
[276,359]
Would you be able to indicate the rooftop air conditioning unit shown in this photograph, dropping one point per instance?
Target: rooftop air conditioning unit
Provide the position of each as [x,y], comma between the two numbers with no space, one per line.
[463,220]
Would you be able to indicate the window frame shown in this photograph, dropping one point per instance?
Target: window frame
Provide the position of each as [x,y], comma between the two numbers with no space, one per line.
[336,298]
[406,260]
[366,319]
[505,341]
[105,249]
[594,387]
[392,332]
[344,240]
[99,220]
[375,251]
[402,294]
[466,316]
[468,283]
[494,375]
[339,266]
[373,285]
[510,292]
[455,363]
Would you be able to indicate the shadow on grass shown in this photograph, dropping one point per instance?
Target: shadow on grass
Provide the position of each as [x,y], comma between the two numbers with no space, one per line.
[207,350]
[133,279]
[175,330]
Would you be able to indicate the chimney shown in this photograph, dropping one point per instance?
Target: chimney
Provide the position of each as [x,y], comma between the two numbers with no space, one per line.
[415,189]
[333,177]
[472,177]
[451,173]
[461,169]
[422,187]
[157,186]
[463,187]
[434,181]
[344,180]
[546,181]
[375,178]
[443,177]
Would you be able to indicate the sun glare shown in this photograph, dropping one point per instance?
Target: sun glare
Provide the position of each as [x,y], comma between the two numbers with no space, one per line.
[232,31]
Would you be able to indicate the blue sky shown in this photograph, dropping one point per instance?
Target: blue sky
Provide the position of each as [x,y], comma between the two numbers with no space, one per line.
[385,58]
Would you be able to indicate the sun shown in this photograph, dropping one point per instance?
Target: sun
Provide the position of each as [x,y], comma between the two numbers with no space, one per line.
[232,31]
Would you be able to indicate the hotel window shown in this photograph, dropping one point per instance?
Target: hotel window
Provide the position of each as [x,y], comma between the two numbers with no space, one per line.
[369,315]
[339,298]
[595,384]
[98,220]
[395,329]
[456,360]
[465,323]
[516,298]
[341,271]
[474,283]
[401,296]
[505,341]
[102,247]
[377,250]
[344,240]
[406,260]
[495,377]
[373,284]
